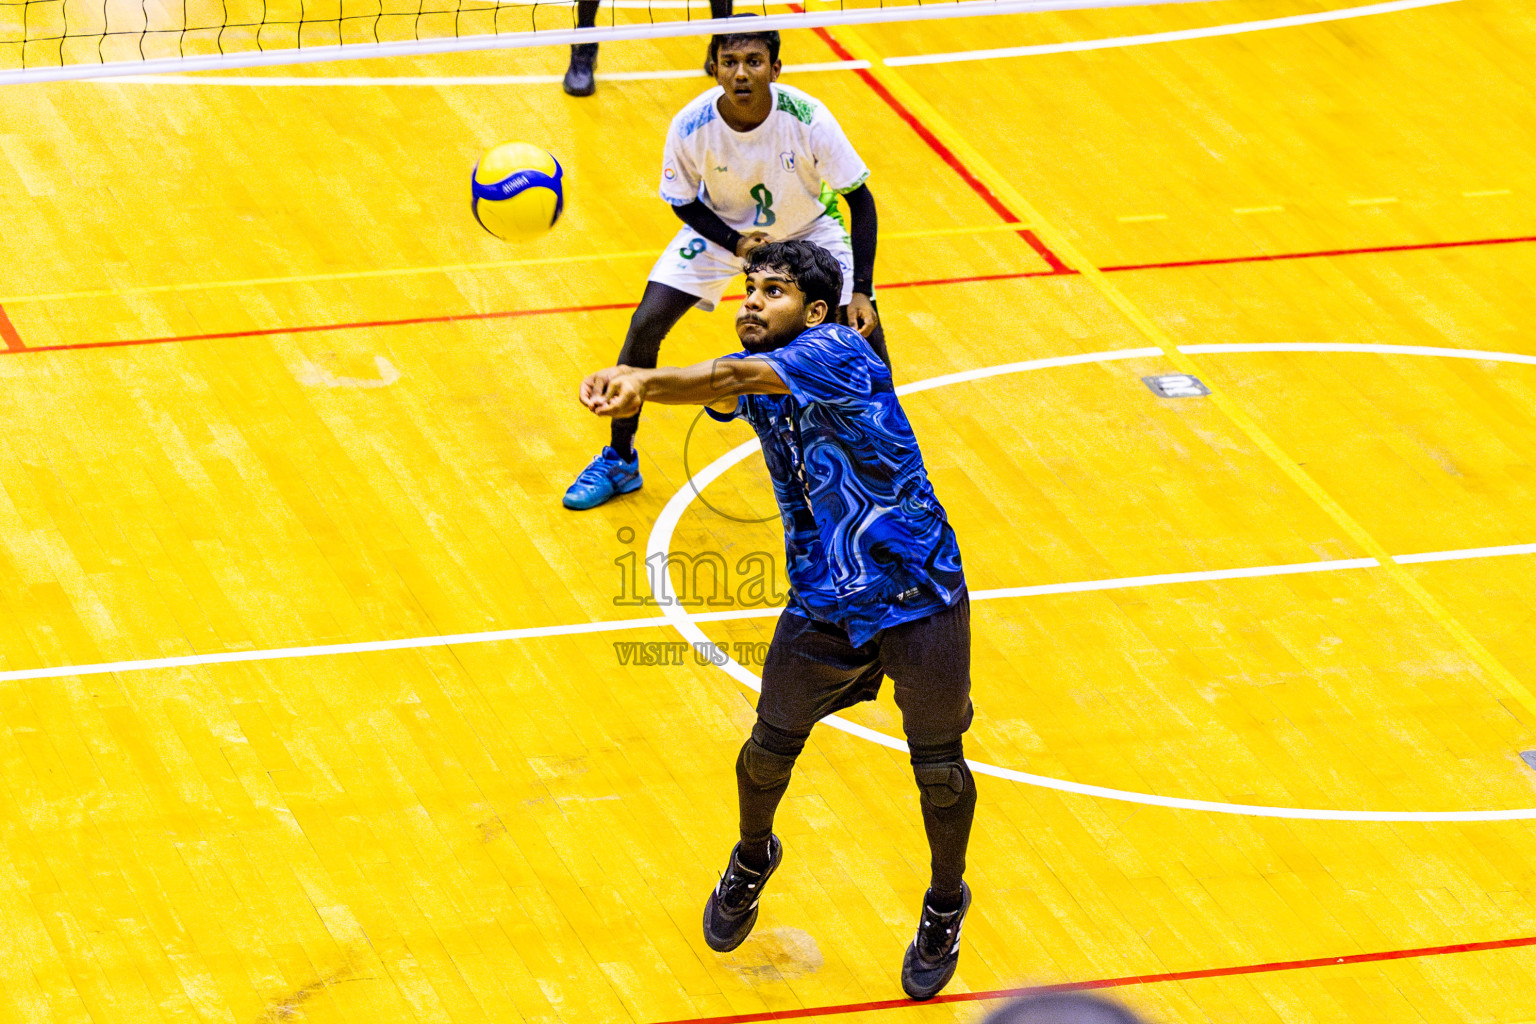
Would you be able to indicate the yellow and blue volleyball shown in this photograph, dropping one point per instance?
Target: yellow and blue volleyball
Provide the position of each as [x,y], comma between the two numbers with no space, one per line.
[516,192]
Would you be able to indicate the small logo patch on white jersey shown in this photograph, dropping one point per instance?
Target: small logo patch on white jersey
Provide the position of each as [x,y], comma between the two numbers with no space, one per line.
[788,160]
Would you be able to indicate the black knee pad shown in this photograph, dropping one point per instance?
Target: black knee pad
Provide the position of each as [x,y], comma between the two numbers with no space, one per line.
[943,784]
[762,767]
[779,741]
[941,772]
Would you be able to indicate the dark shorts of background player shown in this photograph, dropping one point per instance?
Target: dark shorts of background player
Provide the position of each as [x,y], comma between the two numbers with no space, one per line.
[813,671]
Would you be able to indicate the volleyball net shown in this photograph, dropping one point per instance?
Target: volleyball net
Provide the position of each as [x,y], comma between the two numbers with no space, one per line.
[53,40]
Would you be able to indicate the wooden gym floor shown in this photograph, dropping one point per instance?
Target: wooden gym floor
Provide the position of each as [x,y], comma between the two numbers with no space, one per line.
[267,387]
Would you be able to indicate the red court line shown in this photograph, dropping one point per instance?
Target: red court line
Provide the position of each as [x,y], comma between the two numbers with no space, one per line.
[955,163]
[978,277]
[500,315]
[311,328]
[8,333]
[1135,979]
[945,280]
[927,283]
[1051,259]
[1221,261]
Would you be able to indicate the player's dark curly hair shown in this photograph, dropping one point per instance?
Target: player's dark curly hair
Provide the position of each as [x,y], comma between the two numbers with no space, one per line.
[768,39]
[811,267]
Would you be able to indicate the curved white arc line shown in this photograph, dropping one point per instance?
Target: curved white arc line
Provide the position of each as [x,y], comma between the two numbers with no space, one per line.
[1029,364]
[712,472]
[560,37]
[613,625]
[1250,810]
[1368,348]
[660,543]
[1118,42]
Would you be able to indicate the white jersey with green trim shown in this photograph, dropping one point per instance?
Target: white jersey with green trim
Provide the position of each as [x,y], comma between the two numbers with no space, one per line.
[777,178]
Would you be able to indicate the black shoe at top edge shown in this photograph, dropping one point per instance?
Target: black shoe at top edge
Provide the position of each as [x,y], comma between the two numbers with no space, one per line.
[579,79]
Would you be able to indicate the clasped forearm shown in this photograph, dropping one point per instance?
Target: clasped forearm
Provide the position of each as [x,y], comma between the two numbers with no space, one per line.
[728,378]
[672,385]
[708,382]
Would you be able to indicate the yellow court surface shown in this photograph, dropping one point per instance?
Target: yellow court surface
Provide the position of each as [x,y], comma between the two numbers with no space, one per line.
[316,705]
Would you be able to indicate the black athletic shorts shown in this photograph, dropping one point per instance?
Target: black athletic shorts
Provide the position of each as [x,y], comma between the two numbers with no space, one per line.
[813,671]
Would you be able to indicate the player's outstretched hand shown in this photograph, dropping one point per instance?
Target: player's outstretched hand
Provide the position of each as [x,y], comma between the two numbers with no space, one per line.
[751,240]
[616,391]
[861,314]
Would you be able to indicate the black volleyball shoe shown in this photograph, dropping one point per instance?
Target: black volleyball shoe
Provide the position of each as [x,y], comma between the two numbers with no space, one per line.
[731,910]
[931,959]
[579,79]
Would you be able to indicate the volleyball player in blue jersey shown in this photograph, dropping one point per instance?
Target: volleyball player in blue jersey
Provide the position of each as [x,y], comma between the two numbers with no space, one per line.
[876,583]
[749,161]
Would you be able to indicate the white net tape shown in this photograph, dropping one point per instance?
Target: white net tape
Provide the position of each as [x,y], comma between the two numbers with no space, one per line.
[59,40]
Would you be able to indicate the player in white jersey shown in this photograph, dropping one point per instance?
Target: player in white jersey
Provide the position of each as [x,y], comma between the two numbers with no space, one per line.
[748,162]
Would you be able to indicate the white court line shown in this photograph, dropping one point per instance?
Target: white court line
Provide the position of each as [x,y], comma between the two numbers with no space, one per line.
[744,450]
[1117,42]
[660,543]
[1456,556]
[687,623]
[1363,348]
[370,646]
[1127,582]
[424,82]
[614,625]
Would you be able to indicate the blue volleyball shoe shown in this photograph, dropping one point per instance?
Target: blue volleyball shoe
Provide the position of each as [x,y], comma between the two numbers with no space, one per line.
[605,476]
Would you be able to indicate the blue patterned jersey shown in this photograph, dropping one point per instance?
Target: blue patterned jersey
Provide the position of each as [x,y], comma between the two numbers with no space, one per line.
[867,542]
